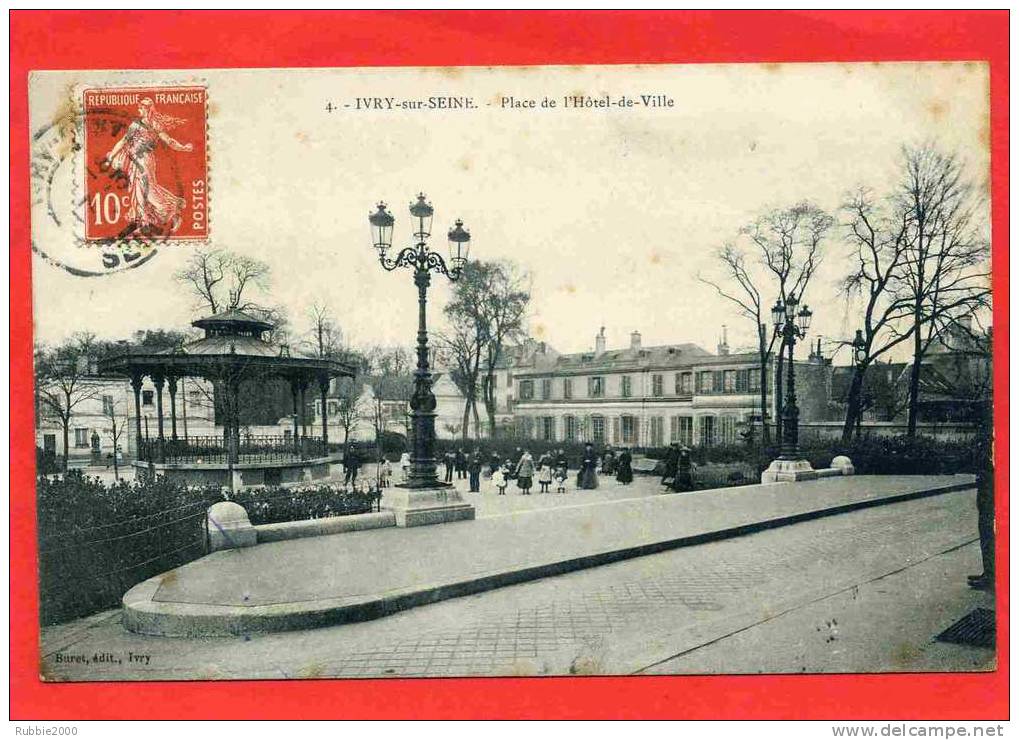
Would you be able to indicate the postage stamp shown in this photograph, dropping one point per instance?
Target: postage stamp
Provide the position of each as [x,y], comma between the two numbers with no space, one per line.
[145,169]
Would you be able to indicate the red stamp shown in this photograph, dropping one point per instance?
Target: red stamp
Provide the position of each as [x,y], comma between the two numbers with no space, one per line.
[146,170]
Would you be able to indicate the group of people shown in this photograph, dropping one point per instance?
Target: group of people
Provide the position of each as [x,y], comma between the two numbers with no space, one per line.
[550,469]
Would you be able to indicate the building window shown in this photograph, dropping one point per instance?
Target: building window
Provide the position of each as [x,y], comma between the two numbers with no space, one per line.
[334,408]
[146,398]
[629,430]
[626,388]
[81,437]
[526,390]
[657,386]
[598,429]
[548,428]
[742,381]
[546,388]
[754,380]
[684,383]
[526,427]
[108,405]
[707,432]
[729,381]
[570,428]
[596,387]
[568,388]
[705,382]
[657,431]
[727,430]
[681,430]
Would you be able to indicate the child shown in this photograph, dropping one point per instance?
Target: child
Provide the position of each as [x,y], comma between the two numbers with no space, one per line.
[560,479]
[499,480]
[385,473]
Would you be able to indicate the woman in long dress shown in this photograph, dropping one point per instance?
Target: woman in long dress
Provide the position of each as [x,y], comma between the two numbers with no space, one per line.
[587,478]
[624,467]
[151,207]
[525,473]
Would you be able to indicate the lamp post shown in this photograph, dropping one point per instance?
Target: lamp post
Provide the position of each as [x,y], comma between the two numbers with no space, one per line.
[790,325]
[860,356]
[423,262]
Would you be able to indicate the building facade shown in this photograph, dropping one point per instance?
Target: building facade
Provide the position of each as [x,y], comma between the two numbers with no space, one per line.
[652,396]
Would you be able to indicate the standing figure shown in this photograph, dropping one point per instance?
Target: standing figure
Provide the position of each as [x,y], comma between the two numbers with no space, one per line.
[351,464]
[494,463]
[624,467]
[587,476]
[385,473]
[608,462]
[461,464]
[545,472]
[561,475]
[474,471]
[151,207]
[449,459]
[499,479]
[525,473]
[671,462]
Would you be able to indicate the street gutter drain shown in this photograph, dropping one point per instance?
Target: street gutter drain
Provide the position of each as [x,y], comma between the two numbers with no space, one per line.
[976,629]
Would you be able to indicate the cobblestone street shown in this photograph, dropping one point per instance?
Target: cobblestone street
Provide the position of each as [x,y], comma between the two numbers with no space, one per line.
[688,610]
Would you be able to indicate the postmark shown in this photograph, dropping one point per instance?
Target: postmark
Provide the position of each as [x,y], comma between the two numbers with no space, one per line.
[118,172]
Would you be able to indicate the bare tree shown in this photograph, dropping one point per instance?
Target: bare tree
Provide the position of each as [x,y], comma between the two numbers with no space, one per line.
[878,235]
[945,273]
[117,424]
[787,247]
[389,374]
[465,345]
[324,337]
[64,380]
[501,295]
[221,280]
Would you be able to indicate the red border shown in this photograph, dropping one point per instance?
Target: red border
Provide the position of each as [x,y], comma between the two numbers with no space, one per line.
[110,39]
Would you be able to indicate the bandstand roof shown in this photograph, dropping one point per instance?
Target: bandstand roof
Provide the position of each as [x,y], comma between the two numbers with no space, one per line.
[233,345]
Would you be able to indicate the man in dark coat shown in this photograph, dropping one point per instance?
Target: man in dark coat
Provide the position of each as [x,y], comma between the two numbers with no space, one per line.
[474,471]
[351,464]
[461,464]
[671,461]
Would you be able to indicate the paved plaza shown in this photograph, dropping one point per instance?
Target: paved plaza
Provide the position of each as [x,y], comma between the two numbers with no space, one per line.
[861,590]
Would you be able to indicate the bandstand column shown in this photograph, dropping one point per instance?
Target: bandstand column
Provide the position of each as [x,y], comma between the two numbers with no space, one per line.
[304,414]
[323,386]
[295,392]
[159,381]
[136,386]
[171,384]
[234,420]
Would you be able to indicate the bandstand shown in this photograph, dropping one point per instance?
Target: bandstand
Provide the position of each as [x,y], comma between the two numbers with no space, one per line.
[235,356]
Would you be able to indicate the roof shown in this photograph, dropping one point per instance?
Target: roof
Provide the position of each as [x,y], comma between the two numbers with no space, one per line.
[233,318]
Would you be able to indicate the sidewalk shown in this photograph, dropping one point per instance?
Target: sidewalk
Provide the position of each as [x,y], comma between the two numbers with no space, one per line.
[350,577]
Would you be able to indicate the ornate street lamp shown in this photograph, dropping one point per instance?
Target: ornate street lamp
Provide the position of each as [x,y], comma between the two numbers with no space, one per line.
[423,262]
[791,325]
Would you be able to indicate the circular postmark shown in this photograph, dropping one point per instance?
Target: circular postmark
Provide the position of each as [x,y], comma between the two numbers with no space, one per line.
[86,217]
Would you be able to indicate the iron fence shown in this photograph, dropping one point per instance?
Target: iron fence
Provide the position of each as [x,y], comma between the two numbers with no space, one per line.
[214,449]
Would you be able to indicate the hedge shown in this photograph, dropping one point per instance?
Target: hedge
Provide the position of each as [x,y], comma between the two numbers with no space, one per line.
[96,541]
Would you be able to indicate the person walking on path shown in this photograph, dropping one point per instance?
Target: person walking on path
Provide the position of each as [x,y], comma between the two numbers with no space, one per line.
[545,472]
[450,461]
[351,464]
[461,464]
[624,467]
[587,476]
[499,479]
[474,471]
[525,473]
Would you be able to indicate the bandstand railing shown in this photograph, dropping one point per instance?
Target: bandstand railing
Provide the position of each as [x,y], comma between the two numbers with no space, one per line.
[214,449]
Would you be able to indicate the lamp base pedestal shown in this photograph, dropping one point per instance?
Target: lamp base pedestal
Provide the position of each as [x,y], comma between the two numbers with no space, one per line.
[415,507]
[784,471]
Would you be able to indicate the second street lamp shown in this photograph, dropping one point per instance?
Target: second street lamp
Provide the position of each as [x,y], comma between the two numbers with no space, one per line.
[422,262]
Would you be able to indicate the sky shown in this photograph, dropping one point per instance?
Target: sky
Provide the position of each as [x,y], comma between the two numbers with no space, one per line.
[613,212]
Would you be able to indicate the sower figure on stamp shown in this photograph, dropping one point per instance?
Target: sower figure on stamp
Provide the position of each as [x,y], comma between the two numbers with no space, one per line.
[152,207]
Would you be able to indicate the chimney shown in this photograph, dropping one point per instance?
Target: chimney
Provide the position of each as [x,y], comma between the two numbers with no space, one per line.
[599,342]
[723,346]
[635,340]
